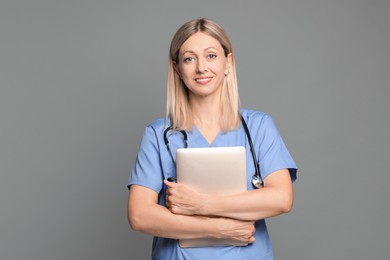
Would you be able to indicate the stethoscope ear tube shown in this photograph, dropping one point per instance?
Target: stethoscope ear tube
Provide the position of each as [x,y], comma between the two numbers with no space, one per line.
[257,181]
[166,141]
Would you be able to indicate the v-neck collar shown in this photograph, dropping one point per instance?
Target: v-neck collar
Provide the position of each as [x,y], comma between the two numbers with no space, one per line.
[201,141]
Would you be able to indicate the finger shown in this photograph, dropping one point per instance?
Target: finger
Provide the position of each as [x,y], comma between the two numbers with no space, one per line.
[169,183]
[168,203]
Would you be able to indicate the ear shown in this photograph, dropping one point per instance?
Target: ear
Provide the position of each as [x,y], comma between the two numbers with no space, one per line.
[229,61]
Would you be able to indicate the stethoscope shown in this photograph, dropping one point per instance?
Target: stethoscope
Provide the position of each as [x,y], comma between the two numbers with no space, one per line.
[257,180]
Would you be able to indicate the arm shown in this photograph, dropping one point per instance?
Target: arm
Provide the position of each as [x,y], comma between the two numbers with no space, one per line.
[274,199]
[145,215]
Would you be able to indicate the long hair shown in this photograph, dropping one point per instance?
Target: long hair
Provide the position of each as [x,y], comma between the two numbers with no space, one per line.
[178,109]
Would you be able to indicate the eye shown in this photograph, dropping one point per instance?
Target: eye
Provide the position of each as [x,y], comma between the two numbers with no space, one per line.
[211,56]
[188,59]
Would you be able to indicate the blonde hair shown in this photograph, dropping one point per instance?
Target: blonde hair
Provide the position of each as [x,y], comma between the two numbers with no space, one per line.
[178,109]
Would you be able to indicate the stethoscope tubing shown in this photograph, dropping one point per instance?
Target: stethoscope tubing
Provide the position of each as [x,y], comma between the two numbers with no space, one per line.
[257,180]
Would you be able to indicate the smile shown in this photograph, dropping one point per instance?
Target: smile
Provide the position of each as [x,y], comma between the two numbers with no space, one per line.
[203,80]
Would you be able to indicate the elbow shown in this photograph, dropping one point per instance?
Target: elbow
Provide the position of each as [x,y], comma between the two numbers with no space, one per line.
[135,221]
[287,204]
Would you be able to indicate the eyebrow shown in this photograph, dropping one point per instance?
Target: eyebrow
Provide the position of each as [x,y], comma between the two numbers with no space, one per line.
[208,48]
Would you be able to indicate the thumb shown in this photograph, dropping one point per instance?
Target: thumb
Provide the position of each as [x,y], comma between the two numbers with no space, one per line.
[170,184]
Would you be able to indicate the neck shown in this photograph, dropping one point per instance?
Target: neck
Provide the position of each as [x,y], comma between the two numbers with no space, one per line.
[206,112]
[206,116]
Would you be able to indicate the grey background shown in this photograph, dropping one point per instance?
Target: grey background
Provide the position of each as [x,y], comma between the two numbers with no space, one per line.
[79,80]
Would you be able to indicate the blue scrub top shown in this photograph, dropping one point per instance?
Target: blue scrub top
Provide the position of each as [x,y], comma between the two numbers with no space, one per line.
[153,165]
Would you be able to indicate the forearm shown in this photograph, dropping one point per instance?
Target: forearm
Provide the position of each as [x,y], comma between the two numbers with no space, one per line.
[251,205]
[157,220]
[147,216]
[274,199]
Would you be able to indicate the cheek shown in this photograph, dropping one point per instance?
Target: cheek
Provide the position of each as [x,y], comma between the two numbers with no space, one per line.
[186,73]
[219,67]
[185,77]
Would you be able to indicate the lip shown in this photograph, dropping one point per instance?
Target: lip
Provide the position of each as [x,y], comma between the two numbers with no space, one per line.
[203,80]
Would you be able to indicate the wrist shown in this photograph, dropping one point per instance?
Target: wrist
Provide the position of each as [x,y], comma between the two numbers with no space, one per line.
[204,205]
[215,227]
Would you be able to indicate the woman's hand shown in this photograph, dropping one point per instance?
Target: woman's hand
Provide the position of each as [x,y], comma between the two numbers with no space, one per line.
[240,231]
[181,199]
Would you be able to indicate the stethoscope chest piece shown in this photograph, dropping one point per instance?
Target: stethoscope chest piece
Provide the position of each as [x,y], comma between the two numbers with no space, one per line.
[256,181]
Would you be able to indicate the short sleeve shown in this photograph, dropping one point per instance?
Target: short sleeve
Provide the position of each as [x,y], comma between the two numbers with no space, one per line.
[147,170]
[273,154]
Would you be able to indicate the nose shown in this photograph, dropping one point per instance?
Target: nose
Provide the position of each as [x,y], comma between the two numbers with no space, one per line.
[201,66]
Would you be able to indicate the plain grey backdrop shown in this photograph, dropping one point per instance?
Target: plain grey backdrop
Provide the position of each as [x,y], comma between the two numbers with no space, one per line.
[79,81]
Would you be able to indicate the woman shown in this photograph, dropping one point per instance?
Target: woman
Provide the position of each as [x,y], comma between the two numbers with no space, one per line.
[203,101]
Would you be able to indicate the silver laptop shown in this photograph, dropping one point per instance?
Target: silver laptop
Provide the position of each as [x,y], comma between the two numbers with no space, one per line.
[212,170]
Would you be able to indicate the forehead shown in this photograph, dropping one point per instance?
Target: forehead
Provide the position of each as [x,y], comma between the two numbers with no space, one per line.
[199,42]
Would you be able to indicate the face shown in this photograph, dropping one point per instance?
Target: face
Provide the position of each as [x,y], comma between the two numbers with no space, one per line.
[202,65]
